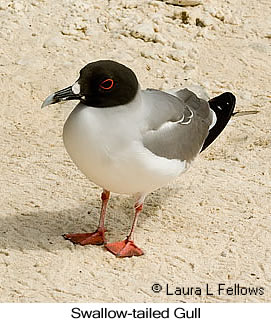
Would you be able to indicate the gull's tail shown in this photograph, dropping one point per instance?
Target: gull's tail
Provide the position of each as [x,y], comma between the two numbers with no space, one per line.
[223,106]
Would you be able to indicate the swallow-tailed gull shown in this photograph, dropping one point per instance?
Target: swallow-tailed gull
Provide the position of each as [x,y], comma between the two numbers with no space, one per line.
[133,141]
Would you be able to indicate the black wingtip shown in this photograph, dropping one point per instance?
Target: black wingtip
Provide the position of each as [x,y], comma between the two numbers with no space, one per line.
[223,106]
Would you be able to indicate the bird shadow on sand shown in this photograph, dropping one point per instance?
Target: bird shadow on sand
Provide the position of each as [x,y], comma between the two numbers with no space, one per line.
[43,229]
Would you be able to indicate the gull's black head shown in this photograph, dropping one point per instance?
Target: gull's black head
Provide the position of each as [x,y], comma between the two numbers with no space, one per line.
[107,84]
[101,84]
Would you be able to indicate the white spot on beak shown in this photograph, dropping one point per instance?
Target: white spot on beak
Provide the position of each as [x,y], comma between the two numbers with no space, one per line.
[76,88]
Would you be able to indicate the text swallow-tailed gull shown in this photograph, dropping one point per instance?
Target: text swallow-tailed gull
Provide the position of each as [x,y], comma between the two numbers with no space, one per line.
[133,141]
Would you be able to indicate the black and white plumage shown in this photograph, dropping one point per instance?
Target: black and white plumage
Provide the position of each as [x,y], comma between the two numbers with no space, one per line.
[133,141]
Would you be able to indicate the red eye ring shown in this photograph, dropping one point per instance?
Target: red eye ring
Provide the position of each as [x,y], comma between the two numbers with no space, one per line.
[107,84]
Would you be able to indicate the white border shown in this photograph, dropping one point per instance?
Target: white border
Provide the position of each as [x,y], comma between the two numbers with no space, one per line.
[62,313]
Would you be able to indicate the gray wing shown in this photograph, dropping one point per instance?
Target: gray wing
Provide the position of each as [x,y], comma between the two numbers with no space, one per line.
[178,124]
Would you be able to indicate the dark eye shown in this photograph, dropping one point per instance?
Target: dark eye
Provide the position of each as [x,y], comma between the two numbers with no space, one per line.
[107,84]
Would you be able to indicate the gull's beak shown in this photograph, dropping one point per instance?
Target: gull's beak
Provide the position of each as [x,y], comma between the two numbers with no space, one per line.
[69,93]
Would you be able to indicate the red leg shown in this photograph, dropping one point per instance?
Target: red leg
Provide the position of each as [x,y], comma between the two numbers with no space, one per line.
[127,247]
[97,237]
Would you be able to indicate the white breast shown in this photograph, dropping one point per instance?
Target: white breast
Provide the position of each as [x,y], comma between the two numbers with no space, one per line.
[105,144]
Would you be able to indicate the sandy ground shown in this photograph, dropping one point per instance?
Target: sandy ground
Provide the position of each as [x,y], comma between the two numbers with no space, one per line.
[211,226]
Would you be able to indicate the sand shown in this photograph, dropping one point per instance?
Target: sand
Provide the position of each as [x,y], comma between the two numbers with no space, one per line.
[211,226]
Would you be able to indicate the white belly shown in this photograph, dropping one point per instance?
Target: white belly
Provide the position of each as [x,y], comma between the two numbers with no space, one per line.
[112,159]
